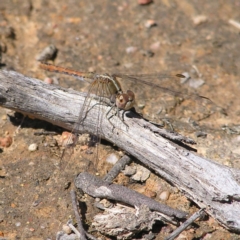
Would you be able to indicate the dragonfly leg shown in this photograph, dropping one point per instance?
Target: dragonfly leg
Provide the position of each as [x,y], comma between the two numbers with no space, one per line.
[122,118]
[109,117]
[116,113]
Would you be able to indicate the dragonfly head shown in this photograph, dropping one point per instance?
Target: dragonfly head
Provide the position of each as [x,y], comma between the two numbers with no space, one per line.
[125,101]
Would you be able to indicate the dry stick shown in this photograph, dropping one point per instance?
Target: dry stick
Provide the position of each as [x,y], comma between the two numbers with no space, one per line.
[210,185]
[96,187]
[118,166]
[91,237]
[81,230]
[76,232]
[180,229]
[78,218]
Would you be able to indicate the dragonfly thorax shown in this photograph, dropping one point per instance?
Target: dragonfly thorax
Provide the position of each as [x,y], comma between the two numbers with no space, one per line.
[109,84]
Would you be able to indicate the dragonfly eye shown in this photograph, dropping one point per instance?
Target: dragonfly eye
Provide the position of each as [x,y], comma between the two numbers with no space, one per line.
[125,101]
[130,101]
[131,96]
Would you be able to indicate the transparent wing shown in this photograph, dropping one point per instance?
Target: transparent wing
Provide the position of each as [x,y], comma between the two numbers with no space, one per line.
[97,96]
[168,96]
[167,83]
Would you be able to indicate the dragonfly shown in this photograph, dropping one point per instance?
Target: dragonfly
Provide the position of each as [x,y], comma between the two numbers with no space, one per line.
[107,86]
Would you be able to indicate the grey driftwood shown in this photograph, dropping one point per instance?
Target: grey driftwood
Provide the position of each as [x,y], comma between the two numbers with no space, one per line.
[210,185]
[98,188]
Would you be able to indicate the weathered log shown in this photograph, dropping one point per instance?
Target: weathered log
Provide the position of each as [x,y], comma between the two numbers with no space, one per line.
[210,185]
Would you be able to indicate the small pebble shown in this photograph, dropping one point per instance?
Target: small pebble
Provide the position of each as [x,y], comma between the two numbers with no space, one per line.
[17,224]
[147,53]
[48,80]
[131,49]
[150,23]
[234,23]
[129,170]
[32,147]
[227,163]
[36,203]
[201,134]
[112,159]
[128,65]
[13,205]
[6,141]
[142,174]
[150,193]
[48,53]
[67,139]
[237,139]
[196,83]
[123,7]
[155,46]
[99,57]
[186,77]
[164,195]
[197,20]
[141,105]
[66,229]
[144,2]
[4,117]
[91,69]
[191,82]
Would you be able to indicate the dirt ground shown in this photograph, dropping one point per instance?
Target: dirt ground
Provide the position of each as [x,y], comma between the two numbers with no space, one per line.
[198,37]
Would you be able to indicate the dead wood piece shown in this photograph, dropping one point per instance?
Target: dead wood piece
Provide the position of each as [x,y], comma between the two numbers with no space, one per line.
[123,222]
[96,187]
[174,136]
[120,165]
[77,215]
[187,223]
[63,236]
[210,185]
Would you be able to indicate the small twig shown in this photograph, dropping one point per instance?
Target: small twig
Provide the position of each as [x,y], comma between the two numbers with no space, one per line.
[180,229]
[44,133]
[117,168]
[96,187]
[234,23]
[174,136]
[197,71]
[77,215]
[91,237]
[157,128]
[20,125]
[75,231]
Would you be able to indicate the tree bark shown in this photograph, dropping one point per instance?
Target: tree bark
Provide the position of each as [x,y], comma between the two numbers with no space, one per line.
[210,185]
